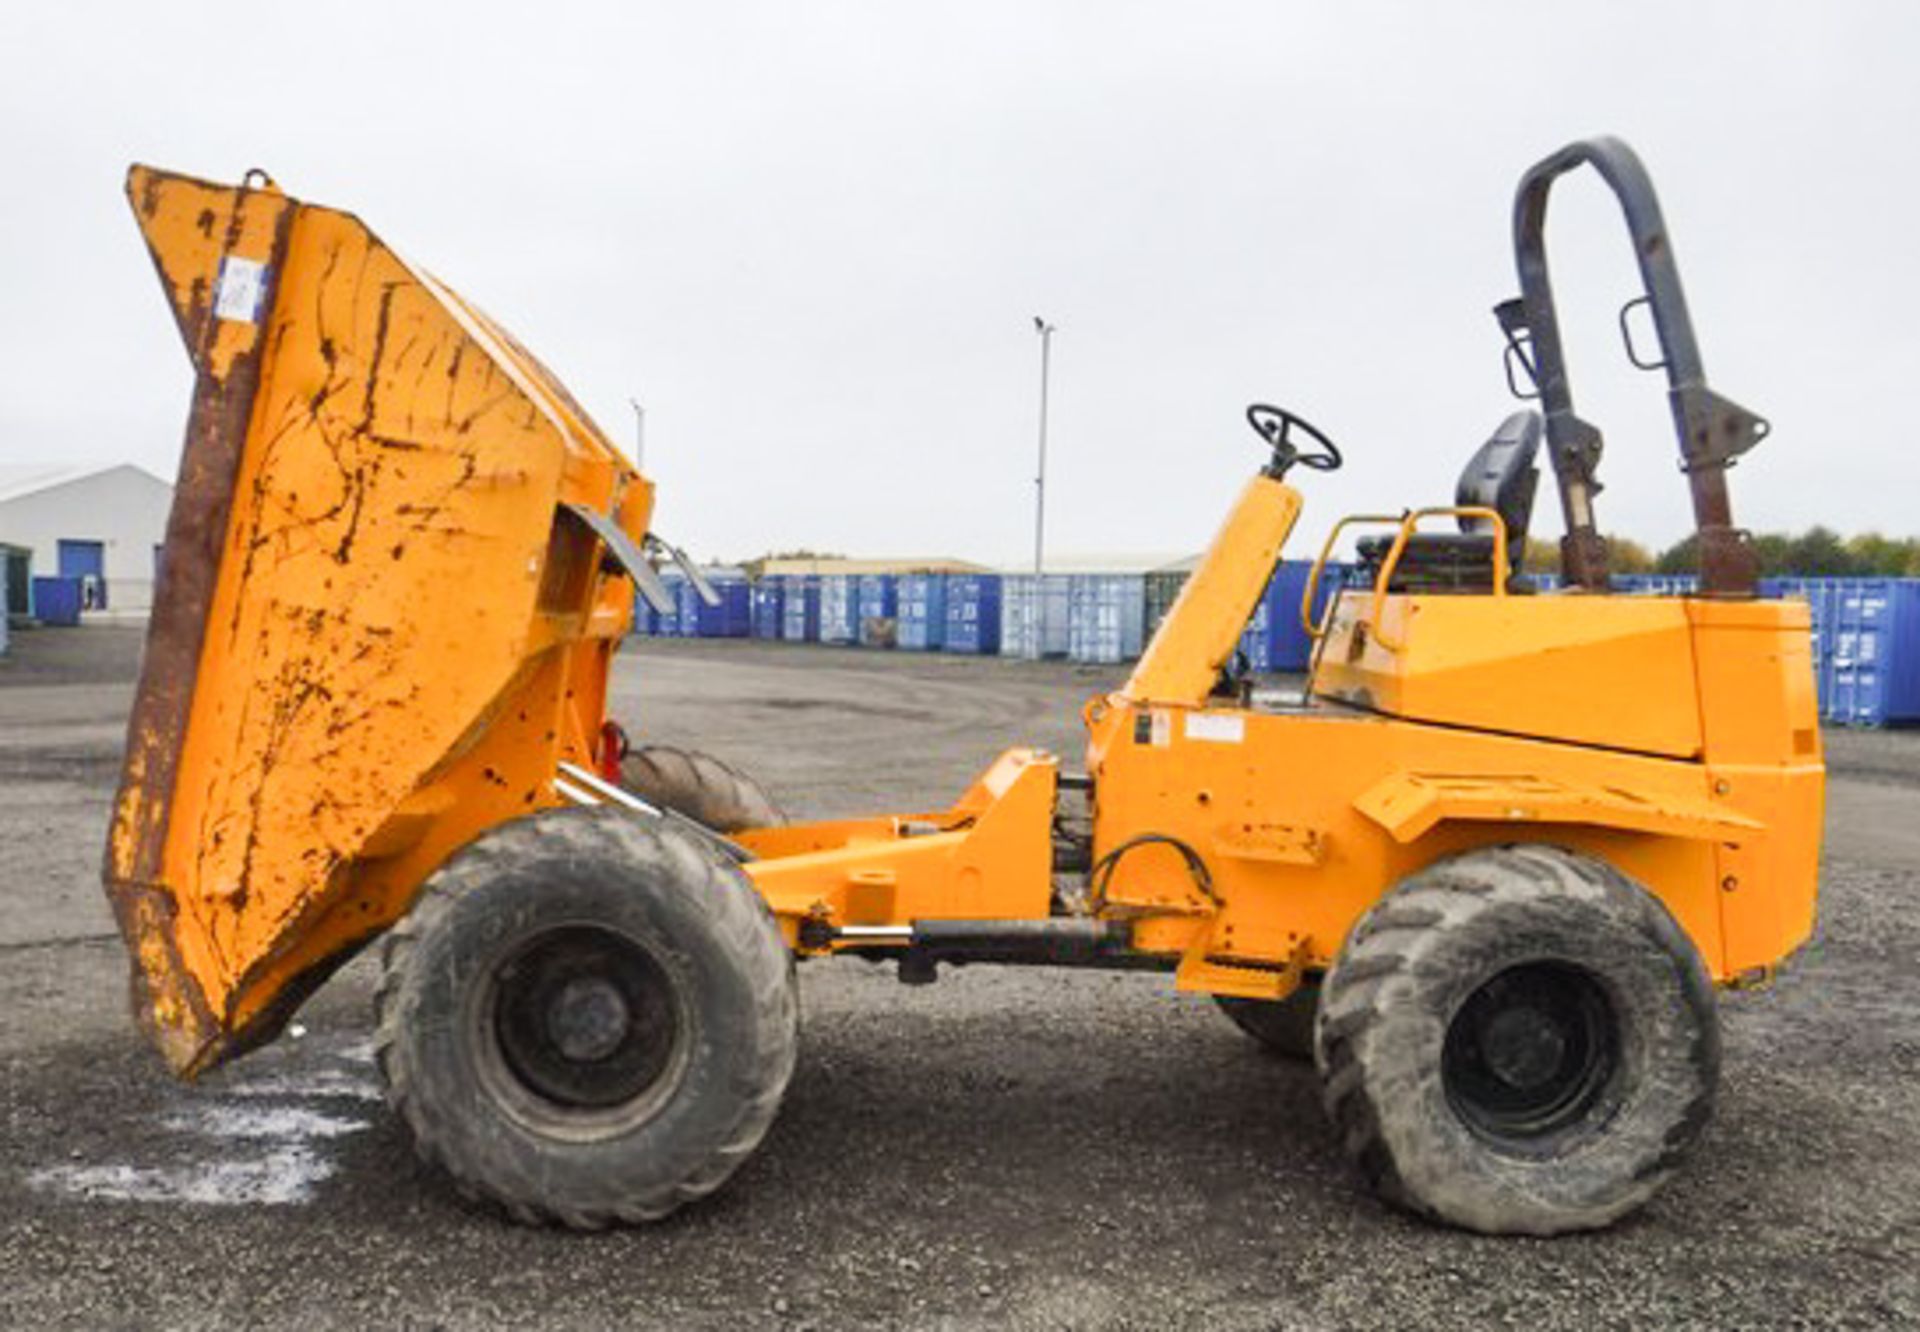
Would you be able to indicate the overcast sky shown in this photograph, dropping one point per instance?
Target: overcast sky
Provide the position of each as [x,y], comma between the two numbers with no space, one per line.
[811,238]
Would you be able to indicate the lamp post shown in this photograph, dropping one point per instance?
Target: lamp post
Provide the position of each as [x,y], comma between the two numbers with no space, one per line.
[1045,330]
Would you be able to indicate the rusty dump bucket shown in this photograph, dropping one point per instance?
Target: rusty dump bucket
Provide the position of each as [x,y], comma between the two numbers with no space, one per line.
[384,613]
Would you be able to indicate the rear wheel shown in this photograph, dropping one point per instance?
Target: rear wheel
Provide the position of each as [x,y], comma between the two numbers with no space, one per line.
[1284,1026]
[1519,1041]
[587,1018]
[705,789]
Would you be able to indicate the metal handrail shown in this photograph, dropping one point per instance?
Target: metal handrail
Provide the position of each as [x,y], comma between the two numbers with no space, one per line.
[1407,523]
[1319,631]
[1387,566]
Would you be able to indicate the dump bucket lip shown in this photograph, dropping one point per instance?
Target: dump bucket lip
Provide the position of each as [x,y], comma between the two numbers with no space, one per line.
[172,1008]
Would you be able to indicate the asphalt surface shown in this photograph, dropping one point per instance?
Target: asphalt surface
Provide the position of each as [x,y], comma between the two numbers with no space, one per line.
[1004,1148]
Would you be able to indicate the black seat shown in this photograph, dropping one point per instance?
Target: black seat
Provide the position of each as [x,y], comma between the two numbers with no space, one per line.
[1501,476]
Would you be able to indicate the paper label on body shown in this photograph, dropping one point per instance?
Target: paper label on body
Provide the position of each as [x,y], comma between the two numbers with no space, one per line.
[237,295]
[1224,729]
[1162,728]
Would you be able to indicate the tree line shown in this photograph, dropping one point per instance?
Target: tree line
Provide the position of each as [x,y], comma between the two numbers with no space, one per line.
[1818,552]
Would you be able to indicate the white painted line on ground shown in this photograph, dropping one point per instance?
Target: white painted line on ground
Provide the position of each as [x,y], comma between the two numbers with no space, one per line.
[273,1111]
[319,1083]
[281,1177]
[284,1123]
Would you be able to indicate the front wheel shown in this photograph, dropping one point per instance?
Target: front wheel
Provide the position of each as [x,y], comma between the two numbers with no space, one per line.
[1518,1041]
[587,1018]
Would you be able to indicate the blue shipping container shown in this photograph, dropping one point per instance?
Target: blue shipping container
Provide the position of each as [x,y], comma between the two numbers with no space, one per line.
[650,623]
[666,623]
[57,600]
[1876,652]
[839,609]
[769,608]
[732,618]
[800,615]
[686,621]
[1106,616]
[973,614]
[922,603]
[1275,638]
[1823,601]
[878,607]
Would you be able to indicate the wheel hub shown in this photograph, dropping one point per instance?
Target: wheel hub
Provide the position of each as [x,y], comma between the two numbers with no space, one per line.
[585,1018]
[588,1019]
[1523,1047]
[1531,1054]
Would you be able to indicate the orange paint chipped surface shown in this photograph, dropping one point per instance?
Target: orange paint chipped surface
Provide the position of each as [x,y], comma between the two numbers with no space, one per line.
[393,590]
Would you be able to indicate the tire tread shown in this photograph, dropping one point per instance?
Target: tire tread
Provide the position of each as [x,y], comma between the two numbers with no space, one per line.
[738,913]
[1384,944]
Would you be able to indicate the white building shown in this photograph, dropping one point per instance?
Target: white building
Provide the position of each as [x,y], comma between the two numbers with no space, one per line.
[104,524]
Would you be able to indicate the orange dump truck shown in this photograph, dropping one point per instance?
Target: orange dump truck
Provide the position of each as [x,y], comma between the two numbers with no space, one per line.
[1487,870]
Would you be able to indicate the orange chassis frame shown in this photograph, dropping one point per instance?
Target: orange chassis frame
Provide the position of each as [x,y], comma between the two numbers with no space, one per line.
[1236,846]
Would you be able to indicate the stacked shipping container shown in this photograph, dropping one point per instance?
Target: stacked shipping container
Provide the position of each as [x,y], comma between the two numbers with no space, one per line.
[839,608]
[800,609]
[1276,638]
[922,610]
[651,623]
[973,614]
[1874,670]
[878,605]
[1106,616]
[732,617]
[769,607]
[1033,615]
[1865,639]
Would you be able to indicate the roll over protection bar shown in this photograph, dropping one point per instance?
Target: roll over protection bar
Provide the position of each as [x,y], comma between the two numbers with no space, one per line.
[1712,431]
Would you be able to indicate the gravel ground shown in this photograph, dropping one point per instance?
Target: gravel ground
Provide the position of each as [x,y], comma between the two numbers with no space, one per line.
[1007,1147]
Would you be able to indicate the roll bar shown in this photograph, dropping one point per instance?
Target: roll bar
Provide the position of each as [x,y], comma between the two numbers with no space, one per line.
[1712,431]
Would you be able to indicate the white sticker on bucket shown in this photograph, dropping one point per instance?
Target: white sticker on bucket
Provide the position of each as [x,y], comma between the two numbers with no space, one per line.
[237,295]
[1221,728]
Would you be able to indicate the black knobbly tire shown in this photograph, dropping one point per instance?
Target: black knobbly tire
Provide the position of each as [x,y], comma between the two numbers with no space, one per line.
[587,1018]
[1284,1026]
[1518,1041]
[700,786]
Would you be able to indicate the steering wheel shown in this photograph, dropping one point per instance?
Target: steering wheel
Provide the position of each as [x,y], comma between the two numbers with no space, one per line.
[1276,425]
